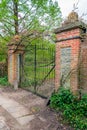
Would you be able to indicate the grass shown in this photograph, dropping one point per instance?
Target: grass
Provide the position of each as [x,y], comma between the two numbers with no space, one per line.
[31,75]
[41,72]
[42,57]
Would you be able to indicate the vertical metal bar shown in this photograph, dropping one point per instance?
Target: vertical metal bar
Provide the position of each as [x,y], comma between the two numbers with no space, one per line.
[54,62]
[42,62]
[20,69]
[35,65]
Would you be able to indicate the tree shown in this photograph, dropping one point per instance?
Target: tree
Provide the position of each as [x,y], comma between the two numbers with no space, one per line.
[27,18]
[16,16]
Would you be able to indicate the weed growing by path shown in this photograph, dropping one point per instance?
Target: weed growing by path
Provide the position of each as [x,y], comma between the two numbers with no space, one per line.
[73,109]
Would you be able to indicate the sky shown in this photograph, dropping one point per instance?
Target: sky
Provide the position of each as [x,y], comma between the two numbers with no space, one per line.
[66,7]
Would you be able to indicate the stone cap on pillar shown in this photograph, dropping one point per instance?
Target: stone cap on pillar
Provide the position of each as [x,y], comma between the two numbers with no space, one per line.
[15,45]
[72,22]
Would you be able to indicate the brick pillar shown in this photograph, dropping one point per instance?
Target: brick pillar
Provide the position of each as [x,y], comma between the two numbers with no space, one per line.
[68,51]
[15,52]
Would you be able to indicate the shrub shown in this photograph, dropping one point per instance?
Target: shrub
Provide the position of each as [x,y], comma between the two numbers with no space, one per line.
[61,99]
[3,69]
[4,81]
[74,110]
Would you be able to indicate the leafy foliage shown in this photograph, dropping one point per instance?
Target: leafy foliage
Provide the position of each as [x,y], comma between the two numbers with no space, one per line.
[3,81]
[21,15]
[74,110]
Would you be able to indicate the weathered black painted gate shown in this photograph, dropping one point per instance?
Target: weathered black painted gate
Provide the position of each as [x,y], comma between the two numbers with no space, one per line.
[3,64]
[37,72]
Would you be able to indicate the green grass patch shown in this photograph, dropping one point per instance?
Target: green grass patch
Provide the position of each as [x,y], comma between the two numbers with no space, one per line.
[41,72]
[39,60]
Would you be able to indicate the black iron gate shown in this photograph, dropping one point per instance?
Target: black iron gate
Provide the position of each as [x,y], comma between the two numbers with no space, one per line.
[38,69]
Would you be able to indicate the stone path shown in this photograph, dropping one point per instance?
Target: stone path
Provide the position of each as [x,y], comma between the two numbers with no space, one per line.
[19,112]
[22,110]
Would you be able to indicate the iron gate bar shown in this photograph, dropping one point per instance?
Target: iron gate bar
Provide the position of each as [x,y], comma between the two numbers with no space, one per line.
[47,64]
[37,49]
[20,69]
[35,64]
[48,74]
[38,68]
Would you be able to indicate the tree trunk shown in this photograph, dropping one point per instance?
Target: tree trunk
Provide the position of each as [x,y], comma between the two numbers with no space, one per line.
[15,9]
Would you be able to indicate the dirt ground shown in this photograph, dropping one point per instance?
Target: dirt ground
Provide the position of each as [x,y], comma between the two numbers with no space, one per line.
[45,118]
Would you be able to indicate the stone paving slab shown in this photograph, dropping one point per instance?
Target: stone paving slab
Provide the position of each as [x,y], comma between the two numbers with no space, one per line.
[38,118]
[25,120]
[19,112]
[3,125]
[9,104]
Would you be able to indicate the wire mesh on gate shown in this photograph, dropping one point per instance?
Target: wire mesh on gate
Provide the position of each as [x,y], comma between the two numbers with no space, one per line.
[38,69]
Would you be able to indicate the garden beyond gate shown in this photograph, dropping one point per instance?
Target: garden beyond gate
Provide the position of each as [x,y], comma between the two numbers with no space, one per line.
[37,68]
